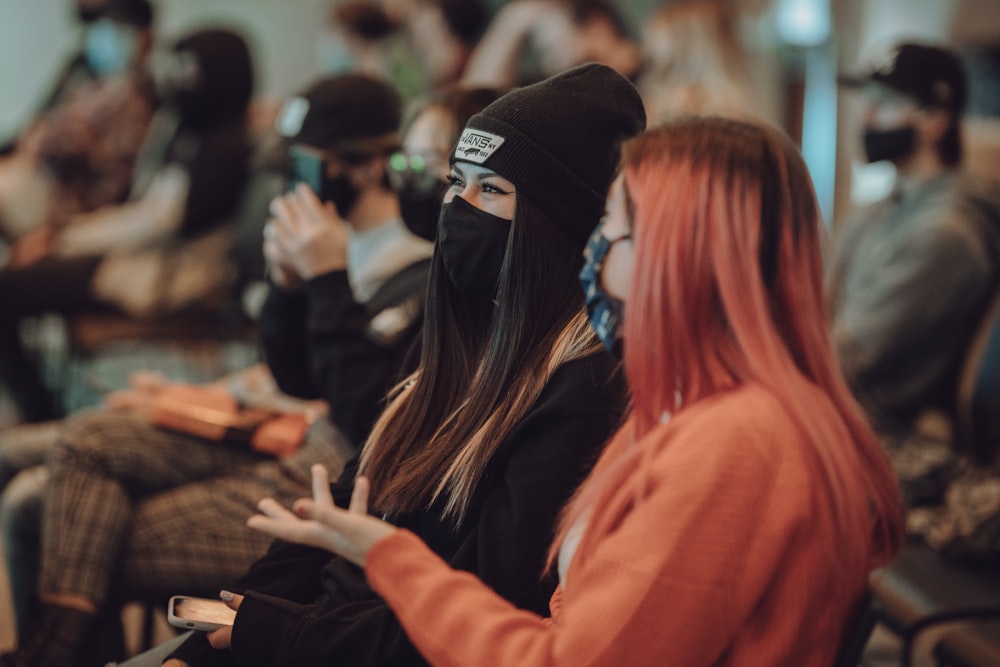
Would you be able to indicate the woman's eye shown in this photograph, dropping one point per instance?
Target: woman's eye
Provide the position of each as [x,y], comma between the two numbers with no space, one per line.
[454,181]
[486,186]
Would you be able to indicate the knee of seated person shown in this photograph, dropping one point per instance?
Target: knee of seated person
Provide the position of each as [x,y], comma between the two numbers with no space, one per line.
[8,471]
[24,447]
[89,433]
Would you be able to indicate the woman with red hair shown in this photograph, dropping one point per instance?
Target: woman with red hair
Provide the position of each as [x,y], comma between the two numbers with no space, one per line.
[734,517]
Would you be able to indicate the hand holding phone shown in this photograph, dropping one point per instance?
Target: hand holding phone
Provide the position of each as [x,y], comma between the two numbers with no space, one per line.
[310,235]
[192,613]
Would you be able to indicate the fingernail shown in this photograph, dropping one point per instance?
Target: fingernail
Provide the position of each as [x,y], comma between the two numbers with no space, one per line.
[226,596]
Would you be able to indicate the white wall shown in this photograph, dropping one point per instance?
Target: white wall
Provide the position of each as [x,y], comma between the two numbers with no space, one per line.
[36,36]
[885,22]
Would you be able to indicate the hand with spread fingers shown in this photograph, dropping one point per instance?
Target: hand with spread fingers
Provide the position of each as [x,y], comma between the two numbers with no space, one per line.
[319,523]
[308,236]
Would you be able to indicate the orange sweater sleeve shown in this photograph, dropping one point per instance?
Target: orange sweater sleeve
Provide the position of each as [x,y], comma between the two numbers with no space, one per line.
[675,583]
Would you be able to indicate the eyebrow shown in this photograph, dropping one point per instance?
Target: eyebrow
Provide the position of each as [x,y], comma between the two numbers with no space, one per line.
[479,176]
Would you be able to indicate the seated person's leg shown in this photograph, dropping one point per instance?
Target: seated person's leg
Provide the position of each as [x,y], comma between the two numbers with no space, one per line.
[24,447]
[102,465]
[20,522]
[194,540]
[56,285]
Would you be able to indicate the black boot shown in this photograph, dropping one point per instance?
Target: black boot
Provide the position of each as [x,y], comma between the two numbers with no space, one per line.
[106,643]
[54,641]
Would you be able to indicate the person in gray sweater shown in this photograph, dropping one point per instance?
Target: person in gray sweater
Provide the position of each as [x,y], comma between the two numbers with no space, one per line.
[911,274]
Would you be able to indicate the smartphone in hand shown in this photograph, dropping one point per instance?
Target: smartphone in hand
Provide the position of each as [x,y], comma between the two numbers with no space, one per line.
[191,613]
[308,166]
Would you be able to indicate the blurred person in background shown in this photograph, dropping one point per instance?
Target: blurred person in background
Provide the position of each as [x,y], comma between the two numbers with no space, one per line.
[82,66]
[418,45]
[694,62]
[353,39]
[911,275]
[163,248]
[556,35]
[78,155]
[443,35]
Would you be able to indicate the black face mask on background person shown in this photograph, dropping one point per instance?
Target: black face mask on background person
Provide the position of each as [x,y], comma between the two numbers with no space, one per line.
[472,243]
[421,209]
[340,192]
[889,144]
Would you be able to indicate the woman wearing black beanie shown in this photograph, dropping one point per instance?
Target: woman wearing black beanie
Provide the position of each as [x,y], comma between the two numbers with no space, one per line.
[511,400]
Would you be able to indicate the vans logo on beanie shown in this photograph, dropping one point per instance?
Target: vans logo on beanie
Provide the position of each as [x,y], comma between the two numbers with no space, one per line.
[477,146]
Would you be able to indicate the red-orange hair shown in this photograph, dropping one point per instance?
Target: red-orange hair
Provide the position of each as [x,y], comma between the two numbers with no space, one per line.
[727,290]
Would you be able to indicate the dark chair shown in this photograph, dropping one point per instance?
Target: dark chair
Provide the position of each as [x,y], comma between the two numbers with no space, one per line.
[973,645]
[853,644]
[921,589]
[977,410]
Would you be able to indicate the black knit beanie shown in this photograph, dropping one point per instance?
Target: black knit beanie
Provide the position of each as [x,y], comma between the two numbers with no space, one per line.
[558,141]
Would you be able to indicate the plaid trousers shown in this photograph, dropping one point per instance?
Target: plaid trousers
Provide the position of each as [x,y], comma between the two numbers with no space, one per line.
[134,512]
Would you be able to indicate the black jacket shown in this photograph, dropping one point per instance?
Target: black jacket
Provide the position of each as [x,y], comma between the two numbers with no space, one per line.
[321,343]
[304,607]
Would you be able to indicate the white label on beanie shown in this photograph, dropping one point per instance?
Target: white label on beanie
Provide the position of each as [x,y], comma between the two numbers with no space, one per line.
[477,146]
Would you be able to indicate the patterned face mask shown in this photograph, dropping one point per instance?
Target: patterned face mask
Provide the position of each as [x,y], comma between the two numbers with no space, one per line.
[605,311]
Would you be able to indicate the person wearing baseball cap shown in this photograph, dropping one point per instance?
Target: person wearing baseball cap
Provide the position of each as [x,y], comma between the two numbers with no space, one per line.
[911,273]
[918,92]
[347,276]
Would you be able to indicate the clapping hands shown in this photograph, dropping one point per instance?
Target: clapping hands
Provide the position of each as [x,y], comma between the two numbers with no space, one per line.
[304,238]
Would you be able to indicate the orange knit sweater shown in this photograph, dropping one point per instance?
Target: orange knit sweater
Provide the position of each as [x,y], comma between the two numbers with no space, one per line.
[719,564]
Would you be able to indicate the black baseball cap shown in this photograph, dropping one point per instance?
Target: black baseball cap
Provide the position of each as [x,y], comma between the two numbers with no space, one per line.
[932,75]
[350,114]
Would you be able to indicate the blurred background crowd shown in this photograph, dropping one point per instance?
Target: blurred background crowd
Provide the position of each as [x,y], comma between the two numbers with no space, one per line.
[91,112]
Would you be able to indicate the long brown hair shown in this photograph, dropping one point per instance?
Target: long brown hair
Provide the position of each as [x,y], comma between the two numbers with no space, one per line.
[482,366]
[726,291]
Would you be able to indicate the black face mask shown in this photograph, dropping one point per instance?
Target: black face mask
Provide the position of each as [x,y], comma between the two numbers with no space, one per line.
[889,144]
[340,192]
[472,243]
[421,209]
